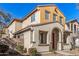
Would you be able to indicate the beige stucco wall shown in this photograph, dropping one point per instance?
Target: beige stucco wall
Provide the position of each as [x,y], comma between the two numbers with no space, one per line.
[27,36]
[27,21]
[49,28]
[52,10]
[40,16]
[18,26]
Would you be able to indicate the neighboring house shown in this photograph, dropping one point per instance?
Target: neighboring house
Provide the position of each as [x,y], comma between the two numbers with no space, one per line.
[67,32]
[73,26]
[4,39]
[78,29]
[43,29]
[66,38]
[14,26]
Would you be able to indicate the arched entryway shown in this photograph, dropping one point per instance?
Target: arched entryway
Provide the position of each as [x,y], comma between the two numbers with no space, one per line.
[55,38]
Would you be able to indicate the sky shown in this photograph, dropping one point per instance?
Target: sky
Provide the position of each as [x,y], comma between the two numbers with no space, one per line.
[20,10]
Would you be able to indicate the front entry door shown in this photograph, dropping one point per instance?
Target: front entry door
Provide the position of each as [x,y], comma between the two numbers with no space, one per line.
[55,38]
[54,44]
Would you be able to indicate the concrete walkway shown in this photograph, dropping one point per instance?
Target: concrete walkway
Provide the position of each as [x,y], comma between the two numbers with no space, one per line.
[65,53]
[50,54]
[57,53]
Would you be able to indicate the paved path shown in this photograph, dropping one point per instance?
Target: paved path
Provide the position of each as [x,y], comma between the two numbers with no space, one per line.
[51,54]
[74,51]
[57,53]
[64,53]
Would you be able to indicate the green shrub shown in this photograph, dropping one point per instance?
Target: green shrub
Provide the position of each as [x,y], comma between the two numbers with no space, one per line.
[19,48]
[32,51]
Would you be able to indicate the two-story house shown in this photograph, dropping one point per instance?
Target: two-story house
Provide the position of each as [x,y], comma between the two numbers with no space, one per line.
[43,29]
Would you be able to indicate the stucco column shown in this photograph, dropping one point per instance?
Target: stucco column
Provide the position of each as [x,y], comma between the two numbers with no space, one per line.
[33,38]
[62,33]
[60,41]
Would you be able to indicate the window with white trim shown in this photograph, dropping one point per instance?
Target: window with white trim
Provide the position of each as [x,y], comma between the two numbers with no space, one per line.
[54,17]
[60,19]
[33,18]
[43,37]
[47,15]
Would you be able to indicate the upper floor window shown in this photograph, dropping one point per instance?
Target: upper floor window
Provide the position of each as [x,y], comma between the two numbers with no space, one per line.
[33,18]
[60,20]
[47,15]
[54,17]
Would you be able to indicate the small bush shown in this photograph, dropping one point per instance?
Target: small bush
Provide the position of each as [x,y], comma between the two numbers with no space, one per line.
[25,50]
[20,48]
[32,51]
[4,48]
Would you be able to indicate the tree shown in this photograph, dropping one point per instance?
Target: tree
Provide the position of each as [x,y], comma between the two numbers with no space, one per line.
[5,18]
